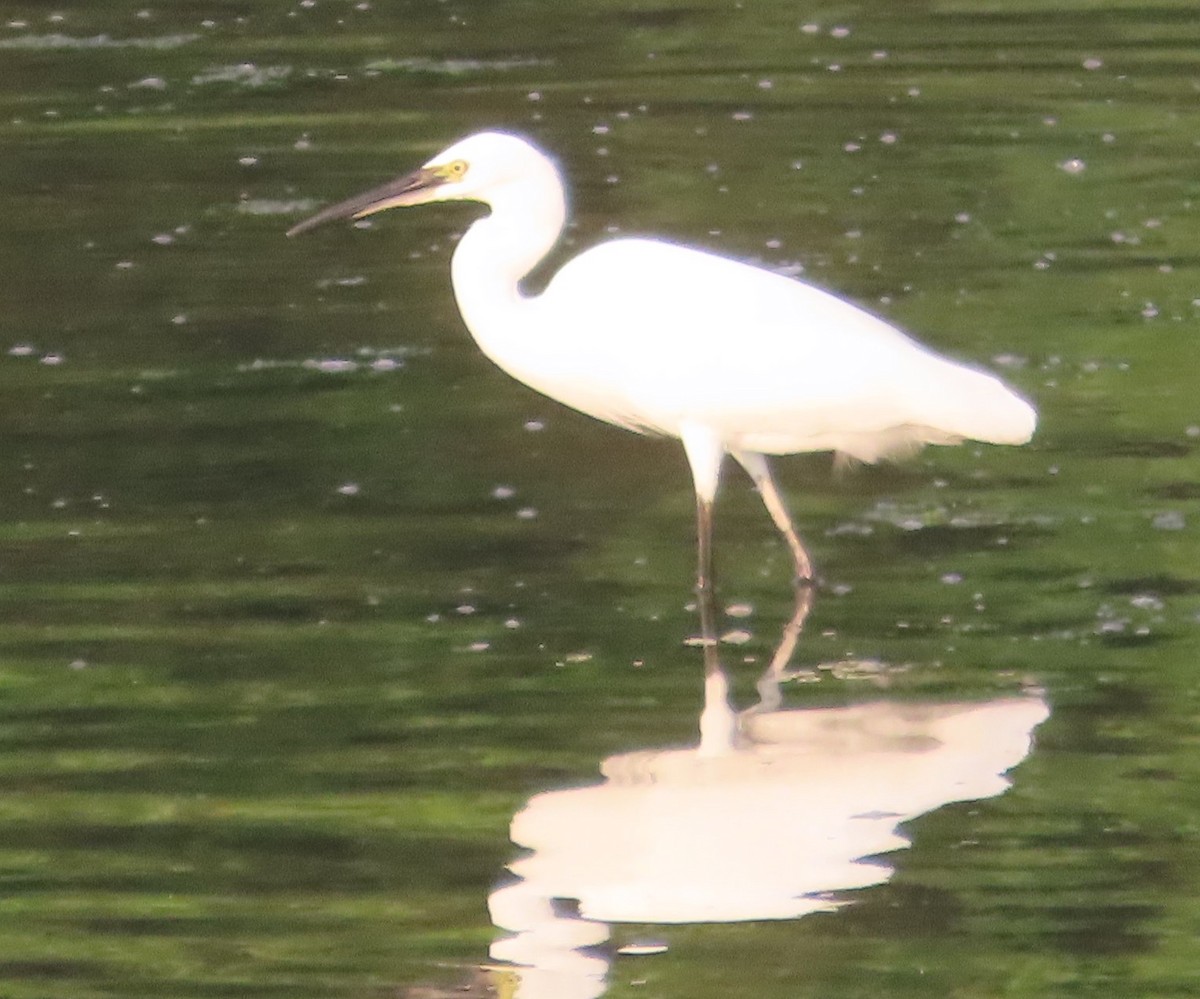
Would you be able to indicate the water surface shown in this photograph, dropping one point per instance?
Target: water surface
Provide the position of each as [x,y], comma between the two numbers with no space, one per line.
[303,601]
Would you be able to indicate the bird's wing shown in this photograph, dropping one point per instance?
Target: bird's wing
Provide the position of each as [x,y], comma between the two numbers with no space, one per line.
[770,363]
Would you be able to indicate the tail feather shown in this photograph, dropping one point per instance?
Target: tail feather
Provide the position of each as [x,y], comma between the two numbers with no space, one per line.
[978,406]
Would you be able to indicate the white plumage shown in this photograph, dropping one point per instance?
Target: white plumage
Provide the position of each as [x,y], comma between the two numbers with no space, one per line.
[660,338]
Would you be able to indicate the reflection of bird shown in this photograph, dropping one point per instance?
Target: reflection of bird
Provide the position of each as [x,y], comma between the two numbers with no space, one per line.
[801,808]
[663,339]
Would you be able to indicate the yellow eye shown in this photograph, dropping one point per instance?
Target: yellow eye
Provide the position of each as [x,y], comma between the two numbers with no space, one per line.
[454,170]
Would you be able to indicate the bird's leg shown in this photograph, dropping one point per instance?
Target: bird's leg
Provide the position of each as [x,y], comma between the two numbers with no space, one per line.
[718,721]
[705,452]
[706,595]
[760,471]
[804,580]
[769,696]
[805,596]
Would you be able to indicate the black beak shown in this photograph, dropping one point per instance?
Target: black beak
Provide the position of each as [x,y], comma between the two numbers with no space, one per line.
[412,189]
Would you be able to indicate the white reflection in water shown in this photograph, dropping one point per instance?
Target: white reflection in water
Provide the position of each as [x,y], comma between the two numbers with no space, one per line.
[767,824]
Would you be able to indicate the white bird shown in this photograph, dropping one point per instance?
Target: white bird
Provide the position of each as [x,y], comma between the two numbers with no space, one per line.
[664,339]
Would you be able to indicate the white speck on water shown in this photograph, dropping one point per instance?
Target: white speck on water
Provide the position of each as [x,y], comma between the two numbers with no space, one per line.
[527,513]
[1147,601]
[889,138]
[465,609]
[353,281]
[479,646]
[1192,431]
[840,31]
[245,74]
[512,623]
[349,489]
[852,147]
[739,636]
[962,218]
[1092,63]
[248,161]
[1072,166]
[503,492]
[850,527]
[78,664]
[163,239]
[1169,520]
[61,41]
[271,206]
[52,359]
[810,28]
[1010,360]
[533,426]
[1149,311]
[952,578]
[21,350]
[331,365]
[642,948]
[149,83]
[739,610]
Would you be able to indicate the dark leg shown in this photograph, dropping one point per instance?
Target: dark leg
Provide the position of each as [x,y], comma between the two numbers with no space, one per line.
[718,723]
[706,596]
[804,578]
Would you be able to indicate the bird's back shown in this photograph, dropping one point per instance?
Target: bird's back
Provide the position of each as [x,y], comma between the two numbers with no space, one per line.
[650,334]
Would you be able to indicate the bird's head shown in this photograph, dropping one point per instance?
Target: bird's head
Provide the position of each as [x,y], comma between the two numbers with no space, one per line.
[476,168]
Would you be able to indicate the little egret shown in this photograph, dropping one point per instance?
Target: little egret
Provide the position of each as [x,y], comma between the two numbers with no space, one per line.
[663,339]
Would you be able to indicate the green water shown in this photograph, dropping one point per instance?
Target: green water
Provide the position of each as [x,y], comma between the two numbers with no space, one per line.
[301,600]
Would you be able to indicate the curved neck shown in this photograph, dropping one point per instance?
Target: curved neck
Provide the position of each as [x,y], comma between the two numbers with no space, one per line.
[496,252]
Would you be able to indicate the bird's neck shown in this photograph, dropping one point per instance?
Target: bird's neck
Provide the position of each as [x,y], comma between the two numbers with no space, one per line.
[499,250]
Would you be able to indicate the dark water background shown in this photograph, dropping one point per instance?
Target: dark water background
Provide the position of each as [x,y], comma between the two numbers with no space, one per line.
[301,599]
